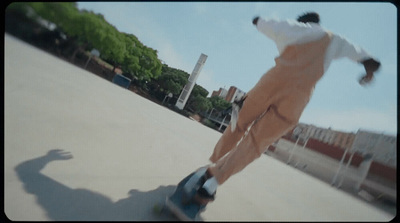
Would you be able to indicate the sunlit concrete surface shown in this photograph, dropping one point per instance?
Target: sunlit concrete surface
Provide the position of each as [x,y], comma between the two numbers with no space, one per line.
[128,153]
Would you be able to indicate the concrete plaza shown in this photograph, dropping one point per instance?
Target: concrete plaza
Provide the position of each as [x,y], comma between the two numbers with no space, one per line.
[128,153]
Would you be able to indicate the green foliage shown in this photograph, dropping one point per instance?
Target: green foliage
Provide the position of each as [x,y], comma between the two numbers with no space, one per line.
[150,64]
[17,7]
[64,14]
[209,123]
[92,30]
[197,100]
[172,80]
[133,51]
[199,103]
[219,103]
[199,90]
[85,30]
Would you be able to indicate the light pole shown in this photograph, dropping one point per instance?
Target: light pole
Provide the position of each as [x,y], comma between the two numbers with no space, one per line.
[210,112]
[345,170]
[223,121]
[297,131]
[169,95]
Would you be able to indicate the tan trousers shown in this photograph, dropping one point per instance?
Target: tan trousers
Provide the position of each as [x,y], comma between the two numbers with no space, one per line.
[272,108]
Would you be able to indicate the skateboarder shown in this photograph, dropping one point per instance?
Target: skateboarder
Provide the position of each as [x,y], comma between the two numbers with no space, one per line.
[274,105]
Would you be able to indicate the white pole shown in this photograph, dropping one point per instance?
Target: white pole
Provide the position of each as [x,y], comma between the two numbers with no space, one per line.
[340,167]
[294,147]
[87,62]
[210,112]
[345,170]
[187,89]
[222,122]
[363,170]
[304,146]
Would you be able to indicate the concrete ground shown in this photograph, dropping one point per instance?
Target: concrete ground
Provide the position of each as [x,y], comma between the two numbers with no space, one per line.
[125,154]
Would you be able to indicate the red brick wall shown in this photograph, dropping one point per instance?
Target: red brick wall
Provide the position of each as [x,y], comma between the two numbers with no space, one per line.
[376,168]
[230,94]
[384,171]
[334,152]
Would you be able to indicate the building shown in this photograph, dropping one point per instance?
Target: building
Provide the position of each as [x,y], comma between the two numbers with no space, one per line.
[234,93]
[222,92]
[229,95]
[331,137]
[383,147]
[344,140]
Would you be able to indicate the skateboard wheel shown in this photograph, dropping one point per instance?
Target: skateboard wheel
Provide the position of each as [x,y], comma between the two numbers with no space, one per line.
[157,208]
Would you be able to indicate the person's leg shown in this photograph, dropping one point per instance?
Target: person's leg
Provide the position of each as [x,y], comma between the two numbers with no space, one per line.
[270,127]
[280,117]
[249,112]
[257,101]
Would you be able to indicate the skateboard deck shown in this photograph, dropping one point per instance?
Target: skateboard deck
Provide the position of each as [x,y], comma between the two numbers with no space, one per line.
[180,203]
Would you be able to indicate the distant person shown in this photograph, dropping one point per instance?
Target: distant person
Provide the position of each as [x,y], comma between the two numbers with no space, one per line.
[276,102]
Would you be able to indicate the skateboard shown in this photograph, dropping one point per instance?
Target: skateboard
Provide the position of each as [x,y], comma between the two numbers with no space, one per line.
[181,203]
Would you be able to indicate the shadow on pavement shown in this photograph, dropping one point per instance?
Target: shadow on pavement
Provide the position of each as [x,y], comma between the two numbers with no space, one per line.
[62,203]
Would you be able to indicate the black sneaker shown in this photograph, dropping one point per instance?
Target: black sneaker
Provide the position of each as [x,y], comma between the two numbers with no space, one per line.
[203,197]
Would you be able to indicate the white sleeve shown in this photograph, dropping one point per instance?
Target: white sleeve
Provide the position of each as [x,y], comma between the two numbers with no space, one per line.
[268,27]
[343,48]
[287,32]
[282,32]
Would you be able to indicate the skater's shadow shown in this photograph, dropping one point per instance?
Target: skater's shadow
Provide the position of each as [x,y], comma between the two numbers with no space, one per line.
[62,203]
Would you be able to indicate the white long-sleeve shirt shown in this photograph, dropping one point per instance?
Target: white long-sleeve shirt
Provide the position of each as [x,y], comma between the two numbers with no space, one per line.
[289,32]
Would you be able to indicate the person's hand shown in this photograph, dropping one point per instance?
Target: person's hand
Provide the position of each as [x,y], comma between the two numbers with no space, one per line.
[370,66]
[58,154]
[366,79]
[255,20]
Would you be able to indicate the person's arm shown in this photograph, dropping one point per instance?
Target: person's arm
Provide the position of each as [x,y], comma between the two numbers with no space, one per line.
[344,48]
[267,27]
[287,32]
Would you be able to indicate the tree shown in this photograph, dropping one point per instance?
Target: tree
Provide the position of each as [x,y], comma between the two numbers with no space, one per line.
[219,103]
[130,63]
[199,103]
[198,99]
[112,46]
[199,90]
[64,15]
[91,30]
[150,65]
[172,80]
[86,30]
[61,14]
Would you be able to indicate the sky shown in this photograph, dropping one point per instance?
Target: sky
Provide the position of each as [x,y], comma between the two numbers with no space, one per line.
[238,55]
